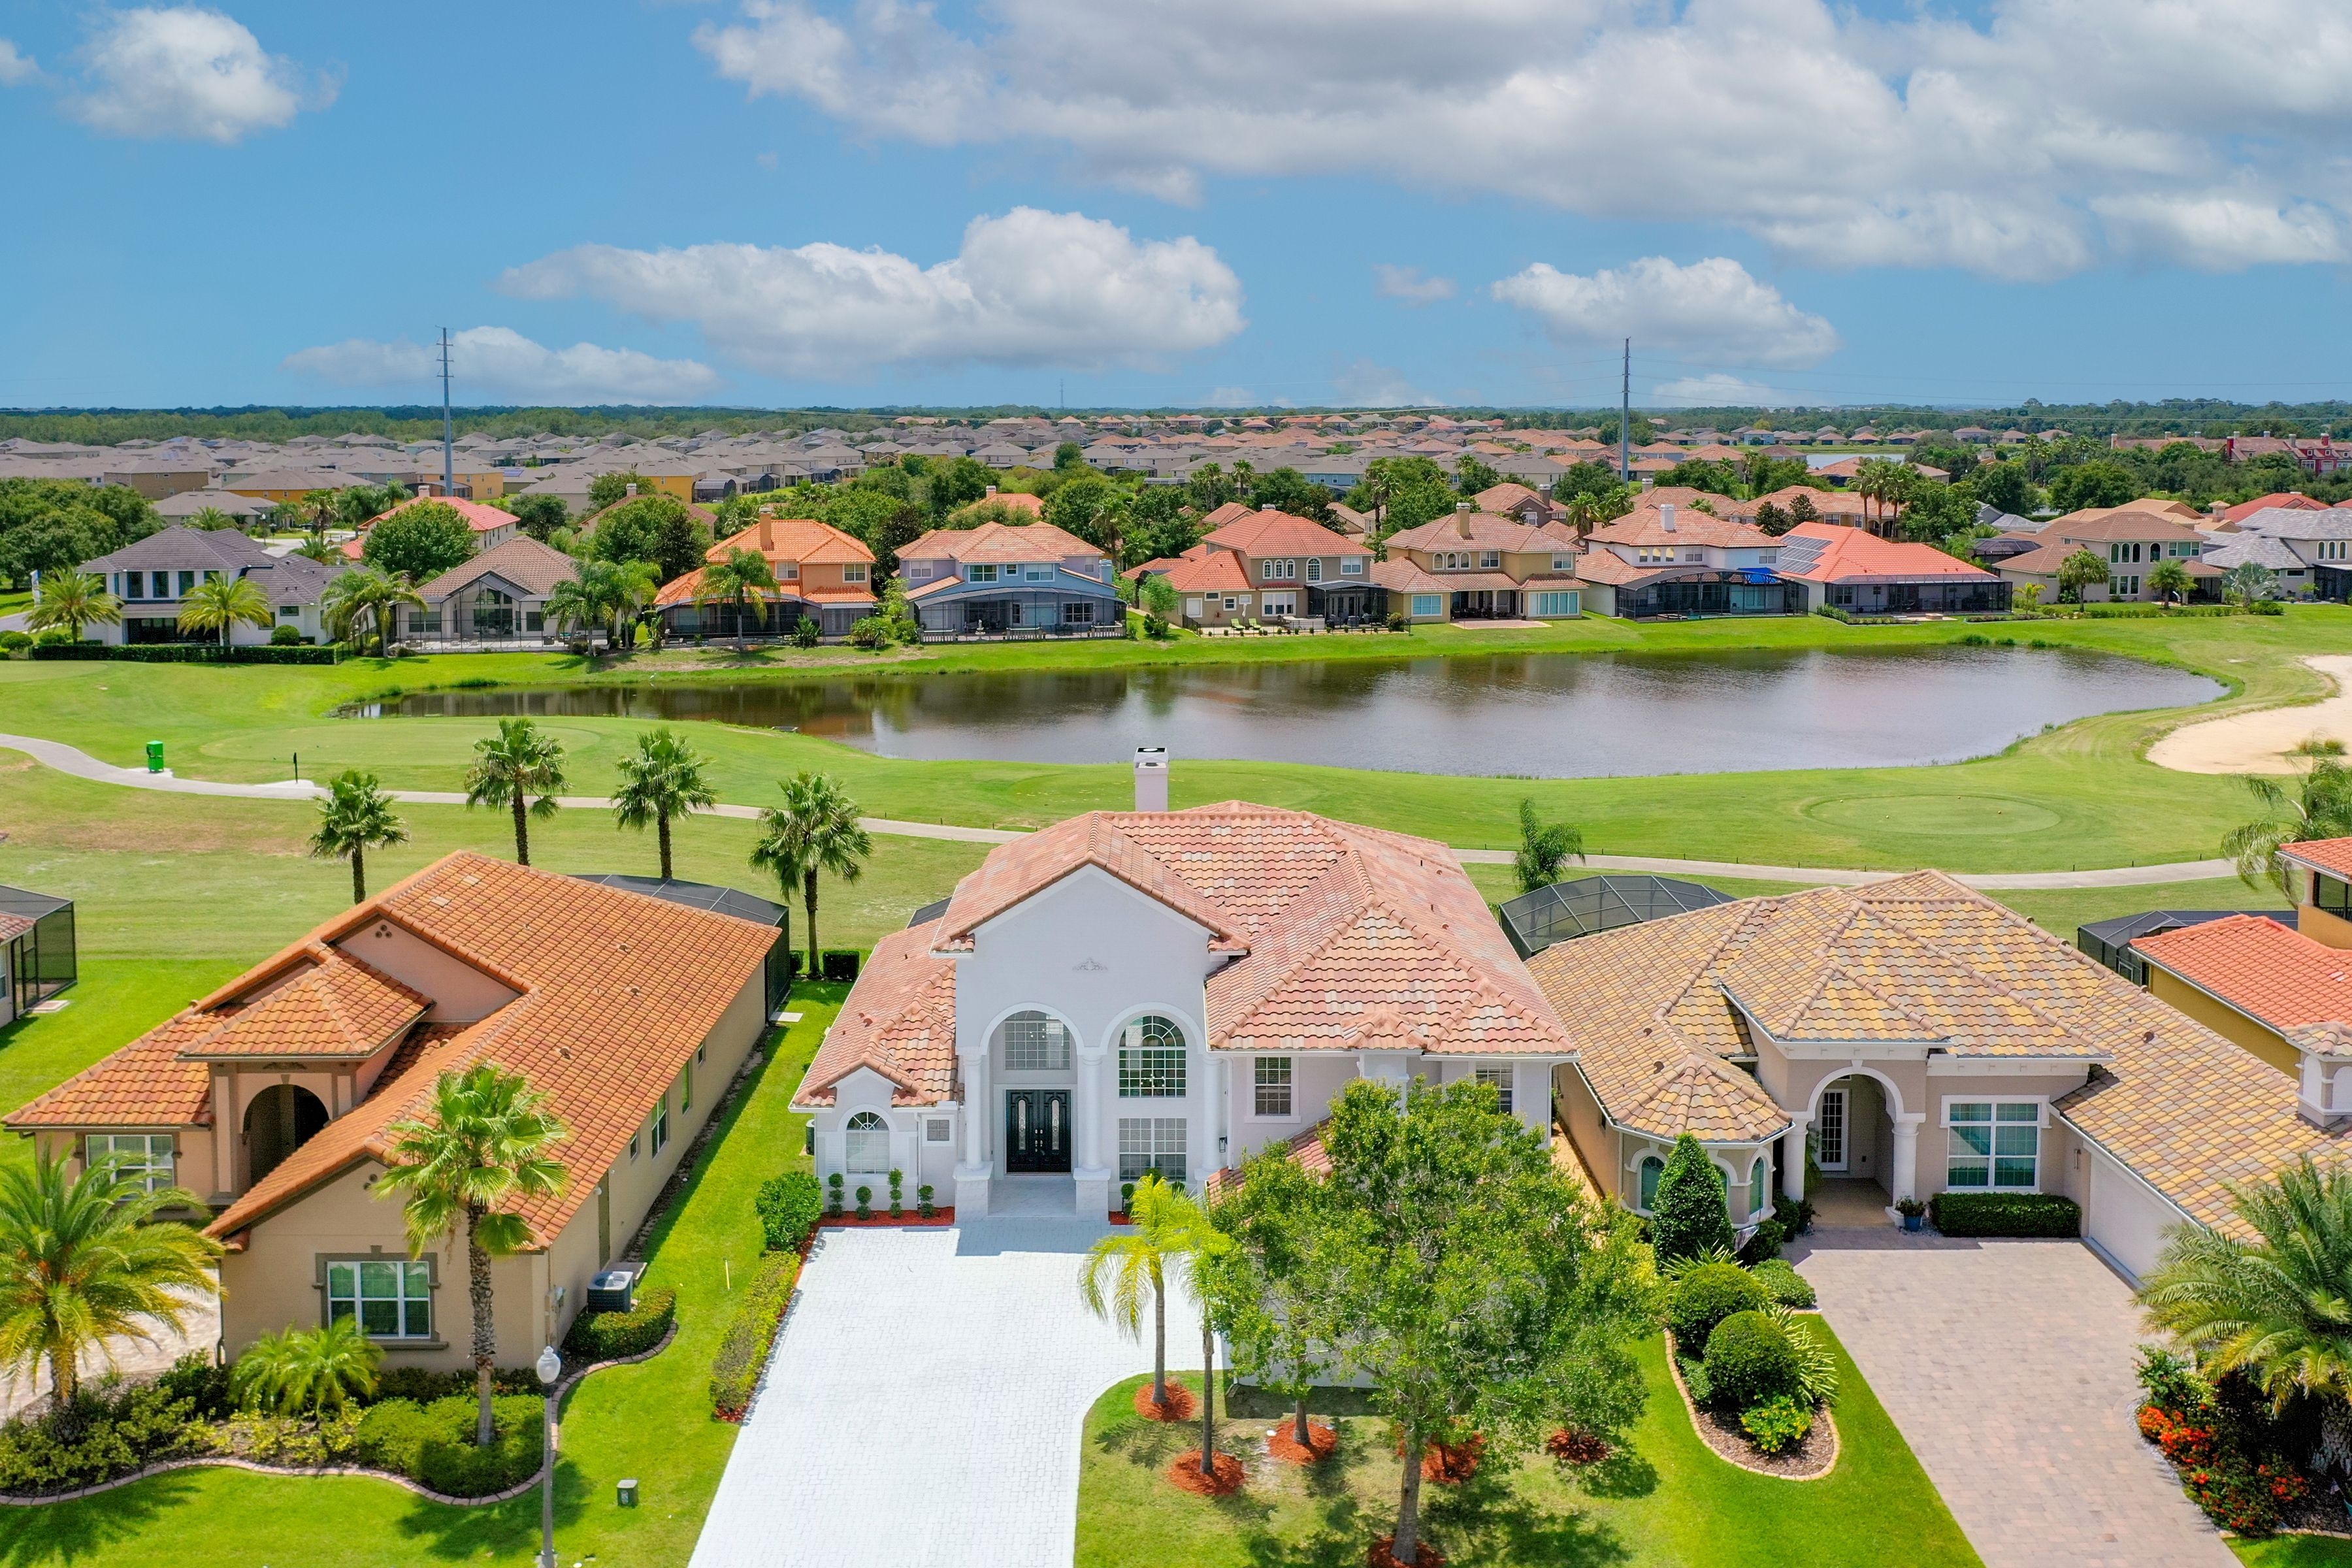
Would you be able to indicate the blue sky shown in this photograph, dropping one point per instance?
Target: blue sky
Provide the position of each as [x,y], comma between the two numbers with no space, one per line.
[1151,204]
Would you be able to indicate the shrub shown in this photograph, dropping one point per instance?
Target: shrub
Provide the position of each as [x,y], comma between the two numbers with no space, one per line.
[14,642]
[423,1385]
[1763,1244]
[1749,1359]
[790,1206]
[833,1195]
[2171,1381]
[2005,1214]
[179,652]
[55,637]
[840,963]
[107,1430]
[609,1336]
[1155,626]
[1694,1378]
[806,632]
[291,1440]
[458,1469]
[743,1353]
[865,1202]
[1776,1425]
[1817,1373]
[923,1205]
[1793,1215]
[203,1381]
[1690,1216]
[1397,621]
[870,632]
[392,1432]
[284,636]
[898,1208]
[1702,1294]
[1783,1283]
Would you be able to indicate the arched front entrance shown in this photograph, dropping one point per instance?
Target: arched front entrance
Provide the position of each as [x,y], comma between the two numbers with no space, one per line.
[1854,1133]
[281,1119]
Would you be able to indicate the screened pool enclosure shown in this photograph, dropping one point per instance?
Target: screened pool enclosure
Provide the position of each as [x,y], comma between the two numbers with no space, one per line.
[1589,904]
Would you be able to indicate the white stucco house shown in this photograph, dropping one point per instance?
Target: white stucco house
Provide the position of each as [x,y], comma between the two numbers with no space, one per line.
[1169,991]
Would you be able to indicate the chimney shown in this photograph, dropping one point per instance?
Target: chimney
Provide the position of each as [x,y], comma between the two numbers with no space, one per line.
[1151,778]
[630,487]
[1461,517]
[1666,517]
[992,490]
[1646,483]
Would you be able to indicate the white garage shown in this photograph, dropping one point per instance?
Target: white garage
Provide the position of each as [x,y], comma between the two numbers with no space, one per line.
[2124,1218]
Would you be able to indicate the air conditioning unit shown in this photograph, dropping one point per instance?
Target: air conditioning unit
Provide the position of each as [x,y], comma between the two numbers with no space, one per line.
[613,1290]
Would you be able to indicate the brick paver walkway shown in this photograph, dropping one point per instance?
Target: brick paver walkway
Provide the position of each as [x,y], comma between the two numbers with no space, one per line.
[924,1404]
[2009,1367]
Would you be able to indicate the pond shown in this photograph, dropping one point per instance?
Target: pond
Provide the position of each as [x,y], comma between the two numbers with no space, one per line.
[1535,715]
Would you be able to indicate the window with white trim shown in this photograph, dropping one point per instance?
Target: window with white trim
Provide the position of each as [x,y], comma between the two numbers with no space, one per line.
[1556,603]
[142,1157]
[1314,569]
[1078,612]
[1351,566]
[938,1130]
[1281,569]
[866,1143]
[1150,1058]
[1651,1170]
[1499,1080]
[1151,1143]
[1489,559]
[1426,604]
[853,573]
[1995,1144]
[980,572]
[1035,1042]
[1035,573]
[392,1297]
[1272,1086]
[658,1123]
[1760,1186]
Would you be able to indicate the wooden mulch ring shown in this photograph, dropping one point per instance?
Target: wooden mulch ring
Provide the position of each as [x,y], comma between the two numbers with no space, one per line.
[1449,1463]
[1570,1447]
[1186,1473]
[1322,1442]
[1180,1405]
[1383,1555]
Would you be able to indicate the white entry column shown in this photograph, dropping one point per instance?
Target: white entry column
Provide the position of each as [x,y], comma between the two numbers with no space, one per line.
[1792,1156]
[1090,1173]
[973,1170]
[1904,1180]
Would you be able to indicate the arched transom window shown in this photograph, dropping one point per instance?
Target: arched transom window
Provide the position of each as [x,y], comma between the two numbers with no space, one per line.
[1150,1058]
[868,1139]
[1035,1042]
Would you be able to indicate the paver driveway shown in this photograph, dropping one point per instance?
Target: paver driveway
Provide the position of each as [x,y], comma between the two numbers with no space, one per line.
[924,1404]
[2007,1364]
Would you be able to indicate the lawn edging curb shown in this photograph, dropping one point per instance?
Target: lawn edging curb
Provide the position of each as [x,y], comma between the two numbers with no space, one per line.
[1825,1415]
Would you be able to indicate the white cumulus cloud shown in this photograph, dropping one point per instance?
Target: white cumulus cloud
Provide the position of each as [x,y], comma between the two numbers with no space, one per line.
[14,67]
[1406,283]
[189,72]
[1715,390]
[1028,289]
[1366,384]
[1713,307]
[501,363]
[1981,136]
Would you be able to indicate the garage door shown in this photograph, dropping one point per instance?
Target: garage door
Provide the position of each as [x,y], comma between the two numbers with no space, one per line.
[2126,1218]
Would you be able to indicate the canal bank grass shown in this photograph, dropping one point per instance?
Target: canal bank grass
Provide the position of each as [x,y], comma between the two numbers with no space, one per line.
[2081,795]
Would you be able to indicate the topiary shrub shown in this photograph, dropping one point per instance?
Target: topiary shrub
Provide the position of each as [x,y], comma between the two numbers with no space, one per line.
[1690,1216]
[284,636]
[609,1336]
[2005,1214]
[790,1206]
[1749,1359]
[1782,1281]
[1704,1294]
[14,642]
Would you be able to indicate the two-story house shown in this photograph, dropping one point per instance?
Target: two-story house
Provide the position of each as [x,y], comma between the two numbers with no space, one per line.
[1166,990]
[2131,539]
[1003,580]
[822,575]
[153,576]
[492,526]
[1269,564]
[1479,566]
[2309,549]
[1661,558]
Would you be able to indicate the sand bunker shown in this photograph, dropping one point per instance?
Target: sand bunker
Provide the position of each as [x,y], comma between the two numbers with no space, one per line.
[2258,743]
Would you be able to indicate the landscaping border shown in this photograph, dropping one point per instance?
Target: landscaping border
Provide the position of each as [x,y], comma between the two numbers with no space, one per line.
[1825,1415]
[229,1461]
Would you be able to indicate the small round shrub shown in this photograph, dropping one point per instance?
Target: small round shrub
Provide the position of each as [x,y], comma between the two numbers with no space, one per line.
[1749,1360]
[14,642]
[284,636]
[1704,1294]
[1783,1283]
[53,636]
[1777,1425]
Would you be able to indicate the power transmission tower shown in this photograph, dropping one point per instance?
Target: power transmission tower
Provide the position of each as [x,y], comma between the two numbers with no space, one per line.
[448,452]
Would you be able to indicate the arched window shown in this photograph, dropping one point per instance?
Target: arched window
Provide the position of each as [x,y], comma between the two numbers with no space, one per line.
[1150,1058]
[1760,1186]
[1651,1169]
[1034,1042]
[868,1143]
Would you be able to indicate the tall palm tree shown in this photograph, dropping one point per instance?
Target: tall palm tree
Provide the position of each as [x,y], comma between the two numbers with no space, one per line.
[817,830]
[633,584]
[85,1260]
[211,519]
[1131,1263]
[2272,1306]
[310,1369]
[519,769]
[355,817]
[2320,806]
[484,1145]
[575,603]
[74,600]
[366,597]
[783,853]
[733,581]
[220,603]
[663,778]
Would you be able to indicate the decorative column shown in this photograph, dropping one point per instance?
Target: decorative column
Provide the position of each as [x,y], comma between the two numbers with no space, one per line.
[973,1172]
[1902,1182]
[1090,1173]
[1792,1156]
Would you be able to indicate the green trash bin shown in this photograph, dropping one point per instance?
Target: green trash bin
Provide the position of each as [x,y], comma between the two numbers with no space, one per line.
[154,756]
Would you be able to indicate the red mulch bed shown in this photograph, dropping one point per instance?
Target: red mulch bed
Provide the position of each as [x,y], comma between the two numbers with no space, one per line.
[1186,1473]
[1450,1464]
[1574,1448]
[1283,1443]
[1180,1405]
[851,1222]
[1383,1555]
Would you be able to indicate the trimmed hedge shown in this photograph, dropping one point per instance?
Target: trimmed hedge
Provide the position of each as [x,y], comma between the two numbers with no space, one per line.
[187,653]
[840,963]
[433,1444]
[2005,1214]
[790,1206]
[1783,1283]
[609,1336]
[744,1353]
[1704,1294]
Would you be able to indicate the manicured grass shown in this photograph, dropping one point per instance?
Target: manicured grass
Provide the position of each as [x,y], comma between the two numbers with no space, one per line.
[2295,1551]
[1668,1503]
[651,1422]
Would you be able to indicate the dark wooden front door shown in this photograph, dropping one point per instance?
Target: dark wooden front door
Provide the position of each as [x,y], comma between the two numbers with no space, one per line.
[1037,1129]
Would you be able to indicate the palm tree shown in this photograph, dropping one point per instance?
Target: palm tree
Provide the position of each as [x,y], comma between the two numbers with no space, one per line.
[511,768]
[1122,1268]
[86,1260]
[2319,807]
[1544,849]
[74,600]
[355,817]
[633,584]
[2270,1306]
[2078,572]
[2247,582]
[309,1369]
[211,519]
[2170,578]
[734,581]
[816,829]
[365,596]
[575,603]
[663,778]
[484,1145]
[220,603]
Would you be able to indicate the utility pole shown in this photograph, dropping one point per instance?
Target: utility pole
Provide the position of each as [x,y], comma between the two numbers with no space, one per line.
[448,452]
[1625,419]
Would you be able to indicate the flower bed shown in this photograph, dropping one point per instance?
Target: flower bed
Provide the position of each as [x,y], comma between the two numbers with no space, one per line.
[904,1222]
[1809,1460]
[2229,1448]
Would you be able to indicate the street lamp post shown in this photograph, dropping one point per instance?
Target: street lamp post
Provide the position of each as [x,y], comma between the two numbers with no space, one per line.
[549,1367]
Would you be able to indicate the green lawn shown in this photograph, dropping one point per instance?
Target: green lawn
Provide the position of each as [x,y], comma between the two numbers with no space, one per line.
[1670,1502]
[651,1421]
[2295,1551]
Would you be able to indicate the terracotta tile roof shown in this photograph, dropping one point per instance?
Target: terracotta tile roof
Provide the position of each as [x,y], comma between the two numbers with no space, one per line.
[2333,855]
[338,1007]
[1849,554]
[1267,532]
[1706,1096]
[1488,531]
[2277,977]
[479,517]
[1403,575]
[13,926]
[899,1020]
[799,539]
[1646,524]
[145,1084]
[1608,566]
[2294,499]
[1218,572]
[998,542]
[523,560]
[1305,1148]
[1828,504]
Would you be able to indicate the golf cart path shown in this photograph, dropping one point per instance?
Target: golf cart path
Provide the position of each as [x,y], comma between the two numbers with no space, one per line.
[2257,742]
[82,764]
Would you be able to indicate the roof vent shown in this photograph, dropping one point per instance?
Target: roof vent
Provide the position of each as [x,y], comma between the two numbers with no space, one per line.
[1265,506]
[1152,778]
[1666,517]
[992,490]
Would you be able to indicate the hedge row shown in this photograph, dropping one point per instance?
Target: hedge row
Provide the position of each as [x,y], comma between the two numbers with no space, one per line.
[609,1336]
[186,653]
[433,1444]
[735,1371]
[2005,1214]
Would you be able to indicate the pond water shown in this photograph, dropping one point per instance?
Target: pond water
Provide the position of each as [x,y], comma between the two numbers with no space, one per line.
[1540,715]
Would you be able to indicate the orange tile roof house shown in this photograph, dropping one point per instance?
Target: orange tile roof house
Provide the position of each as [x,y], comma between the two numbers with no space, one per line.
[1169,990]
[1482,565]
[1664,558]
[1000,580]
[822,574]
[492,526]
[1268,564]
[273,1097]
[1858,571]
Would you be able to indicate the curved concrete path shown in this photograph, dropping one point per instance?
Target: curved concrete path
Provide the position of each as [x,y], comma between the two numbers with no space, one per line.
[82,764]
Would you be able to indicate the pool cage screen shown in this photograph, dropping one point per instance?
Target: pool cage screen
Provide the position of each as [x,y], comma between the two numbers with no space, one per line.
[1566,909]
[2110,941]
[37,934]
